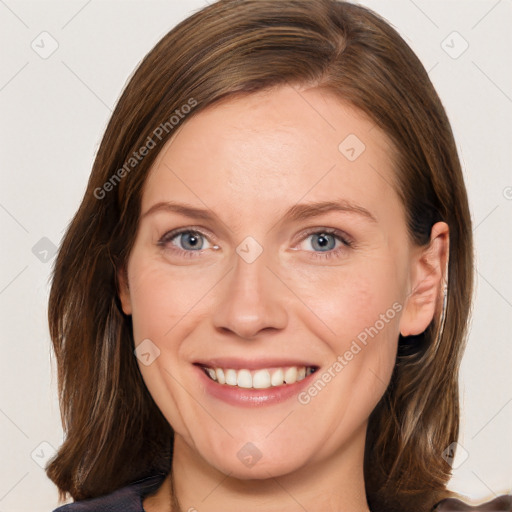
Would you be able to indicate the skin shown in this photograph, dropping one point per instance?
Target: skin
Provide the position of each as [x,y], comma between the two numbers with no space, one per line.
[248,160]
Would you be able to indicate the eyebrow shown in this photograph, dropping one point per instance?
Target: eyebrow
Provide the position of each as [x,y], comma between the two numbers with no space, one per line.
[295,213]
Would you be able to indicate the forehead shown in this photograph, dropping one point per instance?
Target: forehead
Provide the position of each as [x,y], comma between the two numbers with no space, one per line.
[256,152]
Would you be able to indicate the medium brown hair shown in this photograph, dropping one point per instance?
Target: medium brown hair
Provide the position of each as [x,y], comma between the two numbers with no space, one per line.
[114,432]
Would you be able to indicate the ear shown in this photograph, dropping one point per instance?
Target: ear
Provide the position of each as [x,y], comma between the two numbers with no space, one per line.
[124,291]
[428,272]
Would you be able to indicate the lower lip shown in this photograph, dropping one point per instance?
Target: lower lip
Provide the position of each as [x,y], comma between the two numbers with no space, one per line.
[250,397]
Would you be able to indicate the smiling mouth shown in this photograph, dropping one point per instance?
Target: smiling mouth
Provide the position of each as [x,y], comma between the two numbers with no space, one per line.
[258,379]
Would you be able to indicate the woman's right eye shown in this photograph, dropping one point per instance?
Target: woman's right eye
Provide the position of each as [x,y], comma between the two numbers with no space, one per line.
[184,241]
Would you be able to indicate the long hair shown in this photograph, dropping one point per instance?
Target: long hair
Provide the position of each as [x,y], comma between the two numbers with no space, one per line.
[114,432]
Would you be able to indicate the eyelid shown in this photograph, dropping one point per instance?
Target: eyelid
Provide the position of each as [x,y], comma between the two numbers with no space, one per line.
[194,229]
[343,235]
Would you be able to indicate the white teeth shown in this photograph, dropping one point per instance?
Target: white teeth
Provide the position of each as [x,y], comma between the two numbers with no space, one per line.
[277,378]
[221,379]
[230,377]
[290,375]
[211,373]
[259,379]
[244,379]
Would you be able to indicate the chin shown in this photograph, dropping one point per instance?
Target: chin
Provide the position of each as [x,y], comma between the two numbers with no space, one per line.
[249,462]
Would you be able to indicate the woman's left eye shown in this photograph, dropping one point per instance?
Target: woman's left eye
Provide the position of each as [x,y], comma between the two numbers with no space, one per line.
[323,243]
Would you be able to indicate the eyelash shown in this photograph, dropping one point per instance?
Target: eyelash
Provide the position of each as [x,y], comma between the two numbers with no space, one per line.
[346,242]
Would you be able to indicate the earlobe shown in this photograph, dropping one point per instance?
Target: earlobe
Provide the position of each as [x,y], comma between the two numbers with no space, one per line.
[428,280]
[124,291]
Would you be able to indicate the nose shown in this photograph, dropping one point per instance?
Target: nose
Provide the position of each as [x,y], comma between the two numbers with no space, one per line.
[253,298]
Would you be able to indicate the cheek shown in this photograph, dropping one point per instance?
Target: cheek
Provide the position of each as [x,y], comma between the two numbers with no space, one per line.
[350,300]
[162,298]
[152,307]
[356,314]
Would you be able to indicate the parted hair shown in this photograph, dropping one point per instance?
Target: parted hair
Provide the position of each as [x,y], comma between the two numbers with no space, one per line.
[114,434]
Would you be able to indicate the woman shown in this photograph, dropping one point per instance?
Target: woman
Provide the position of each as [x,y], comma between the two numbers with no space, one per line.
[262,301]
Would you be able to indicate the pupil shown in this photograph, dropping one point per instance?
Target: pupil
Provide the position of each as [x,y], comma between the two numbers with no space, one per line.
[323,240]
[191,240]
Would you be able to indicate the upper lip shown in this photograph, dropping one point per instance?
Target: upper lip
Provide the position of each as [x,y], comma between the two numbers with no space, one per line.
[252,364]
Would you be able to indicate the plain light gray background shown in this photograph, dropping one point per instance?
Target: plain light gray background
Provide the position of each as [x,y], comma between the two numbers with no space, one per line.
[54,111]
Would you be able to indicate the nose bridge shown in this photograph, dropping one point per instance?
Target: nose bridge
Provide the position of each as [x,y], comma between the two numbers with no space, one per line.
[250,300]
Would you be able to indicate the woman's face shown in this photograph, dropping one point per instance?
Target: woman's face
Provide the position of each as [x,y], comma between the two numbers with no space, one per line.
[237,267]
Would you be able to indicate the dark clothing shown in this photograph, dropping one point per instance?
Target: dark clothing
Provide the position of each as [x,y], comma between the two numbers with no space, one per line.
[502,503]
[126,499]
[129,499]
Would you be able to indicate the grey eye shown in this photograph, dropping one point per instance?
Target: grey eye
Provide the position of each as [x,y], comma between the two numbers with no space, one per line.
[324,241]
[190,240]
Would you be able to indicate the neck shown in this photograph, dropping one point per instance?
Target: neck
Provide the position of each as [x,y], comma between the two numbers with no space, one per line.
[329,485]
